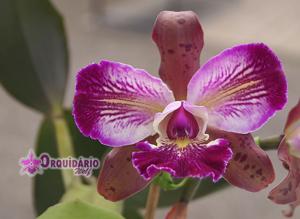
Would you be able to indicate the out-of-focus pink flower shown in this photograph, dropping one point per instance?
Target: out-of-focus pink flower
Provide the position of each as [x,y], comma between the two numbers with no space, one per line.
[288,191]
[201,115]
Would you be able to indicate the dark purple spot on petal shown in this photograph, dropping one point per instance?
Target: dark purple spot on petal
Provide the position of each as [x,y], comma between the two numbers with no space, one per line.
[171,51]
[188,47]
[237,156]
[243,158]
[285,165]
[246,167]
[259,172]
[112,189]
[181,21]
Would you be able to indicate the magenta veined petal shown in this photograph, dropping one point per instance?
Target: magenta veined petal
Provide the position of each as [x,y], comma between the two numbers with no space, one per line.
[242,87]
[116,103]
[196,160]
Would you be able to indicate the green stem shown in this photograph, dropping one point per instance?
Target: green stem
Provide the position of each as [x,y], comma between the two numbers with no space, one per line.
[270,143]
[190,189]
[152,201]
[65,147]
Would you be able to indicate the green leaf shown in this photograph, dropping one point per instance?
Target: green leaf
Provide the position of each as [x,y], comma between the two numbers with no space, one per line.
[207,187]
[49,188]
[88,193]
[131,212]
[166,182]
[33,55]
[168,198]
[84,146]
[78,210]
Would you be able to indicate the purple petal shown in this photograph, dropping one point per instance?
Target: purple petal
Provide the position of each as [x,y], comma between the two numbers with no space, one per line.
[293,119]
[293,205]
[288,191]
[293,140]
[32,170]
[242,87]
[116,103]
[118,179]
[285,192]
[36,162]
[179,38]
[195,160]
[250,167]
[25,162]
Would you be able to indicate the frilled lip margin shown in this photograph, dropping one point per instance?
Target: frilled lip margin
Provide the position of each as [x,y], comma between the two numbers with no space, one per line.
[196,160]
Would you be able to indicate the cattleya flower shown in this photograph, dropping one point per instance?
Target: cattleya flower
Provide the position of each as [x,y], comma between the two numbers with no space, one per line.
[288,191]
[189,126]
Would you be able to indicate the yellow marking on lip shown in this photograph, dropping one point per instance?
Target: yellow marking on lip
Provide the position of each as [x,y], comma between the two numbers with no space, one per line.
[226,93]
[182,142]
[153,108]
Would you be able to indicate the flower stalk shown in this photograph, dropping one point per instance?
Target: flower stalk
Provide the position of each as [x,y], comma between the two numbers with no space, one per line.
[270,143]
[179,209]
[65,147]
[189,191]
[152,201]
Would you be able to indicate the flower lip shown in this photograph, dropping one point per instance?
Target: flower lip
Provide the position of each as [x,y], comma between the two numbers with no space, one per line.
[182,124]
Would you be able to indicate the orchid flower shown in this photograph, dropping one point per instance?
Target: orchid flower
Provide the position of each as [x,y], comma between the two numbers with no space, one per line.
[288,191]
[202,116]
